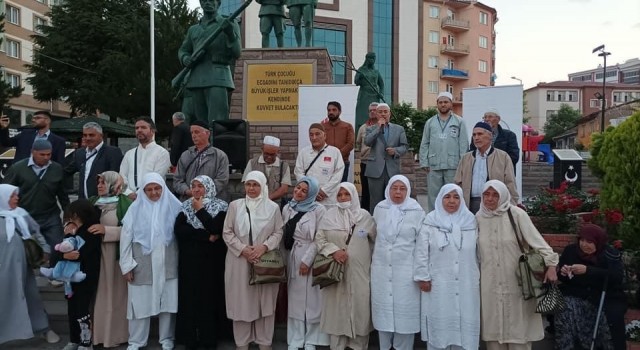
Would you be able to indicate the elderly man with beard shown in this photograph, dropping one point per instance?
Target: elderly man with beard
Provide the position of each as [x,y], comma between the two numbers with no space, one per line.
[444,142]
[340,134]
[201,159]
[484,164]
[147,157]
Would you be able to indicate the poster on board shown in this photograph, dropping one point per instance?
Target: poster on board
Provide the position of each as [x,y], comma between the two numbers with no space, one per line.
[508,101]
[312,108]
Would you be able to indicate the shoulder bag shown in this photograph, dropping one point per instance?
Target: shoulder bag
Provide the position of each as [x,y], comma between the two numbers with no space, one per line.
[326,270]
[270,268]
[33,252]
[289,229]
[531,268]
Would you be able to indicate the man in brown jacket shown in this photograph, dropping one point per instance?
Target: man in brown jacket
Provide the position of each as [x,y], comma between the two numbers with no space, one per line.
[340,134]
[484,164]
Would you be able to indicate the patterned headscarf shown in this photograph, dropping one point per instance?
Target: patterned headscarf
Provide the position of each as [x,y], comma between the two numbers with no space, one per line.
[211,204]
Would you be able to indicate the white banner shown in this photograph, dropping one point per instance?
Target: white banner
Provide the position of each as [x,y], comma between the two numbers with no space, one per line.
[508,101]
[312,108]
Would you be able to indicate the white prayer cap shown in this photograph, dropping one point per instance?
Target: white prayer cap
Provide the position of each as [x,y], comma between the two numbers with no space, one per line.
[493,110]
[445,94]
[382,105]
[271,140]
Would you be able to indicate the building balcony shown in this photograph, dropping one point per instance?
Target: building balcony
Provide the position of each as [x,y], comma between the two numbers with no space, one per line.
[457,100]
[454,25]
[454,74]
[454,50]
[458,4]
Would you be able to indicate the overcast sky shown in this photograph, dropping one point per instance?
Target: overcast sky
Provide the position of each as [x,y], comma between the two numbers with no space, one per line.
[544,40]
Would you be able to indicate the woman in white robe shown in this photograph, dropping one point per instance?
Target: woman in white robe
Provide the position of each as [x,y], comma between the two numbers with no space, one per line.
[346,313]
[507,320]
[251,308]
[395,297]
[20,296]
[305,300]
[149,261]
[446,267]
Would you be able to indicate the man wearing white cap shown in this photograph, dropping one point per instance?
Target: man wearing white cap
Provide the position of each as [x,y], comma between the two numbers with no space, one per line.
[444,142]
[277,171]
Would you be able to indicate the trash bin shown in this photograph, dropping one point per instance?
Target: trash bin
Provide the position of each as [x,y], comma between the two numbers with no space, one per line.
[567,167]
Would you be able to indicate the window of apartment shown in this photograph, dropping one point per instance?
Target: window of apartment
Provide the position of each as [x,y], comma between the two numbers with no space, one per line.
[12,48]
[482,66]
[560,96]
[572,96]
[434,11]
[434,37]
[13,79]
[449,88]
[433,87]
[484,18]
[37,22]
[483,42]
[433,62]
[450,63]
[595,103]
[550,112]
[13,15]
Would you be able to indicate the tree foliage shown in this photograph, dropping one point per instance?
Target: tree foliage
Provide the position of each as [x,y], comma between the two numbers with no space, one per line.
[617,158]
[557,123]
[413,120]
[6,91]
[95,54]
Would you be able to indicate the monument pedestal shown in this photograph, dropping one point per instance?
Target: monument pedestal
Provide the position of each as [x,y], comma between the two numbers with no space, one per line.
[266,92]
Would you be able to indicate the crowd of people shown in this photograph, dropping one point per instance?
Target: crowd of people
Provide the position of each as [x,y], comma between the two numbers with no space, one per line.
[184,255]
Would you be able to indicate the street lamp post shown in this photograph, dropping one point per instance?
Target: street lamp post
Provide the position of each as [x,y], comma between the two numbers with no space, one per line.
[518,79]
[604,55]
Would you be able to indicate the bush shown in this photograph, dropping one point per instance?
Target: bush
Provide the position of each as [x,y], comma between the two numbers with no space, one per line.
[619,159]
[412,120]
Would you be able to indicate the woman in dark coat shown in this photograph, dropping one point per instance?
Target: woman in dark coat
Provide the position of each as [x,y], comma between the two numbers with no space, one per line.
[201,304]
[586,268]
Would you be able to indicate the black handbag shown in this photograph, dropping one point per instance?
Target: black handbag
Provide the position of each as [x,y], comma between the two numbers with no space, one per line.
[552,301]
[33,252]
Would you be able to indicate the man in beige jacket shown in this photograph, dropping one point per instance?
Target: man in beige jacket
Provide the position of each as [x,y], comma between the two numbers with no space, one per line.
[484,164]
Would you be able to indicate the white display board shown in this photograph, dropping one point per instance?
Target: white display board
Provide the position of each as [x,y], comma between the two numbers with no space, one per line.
[508,101]
[312,108]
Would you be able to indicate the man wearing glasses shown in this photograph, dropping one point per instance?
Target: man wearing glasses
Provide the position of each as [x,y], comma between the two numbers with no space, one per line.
[23,142]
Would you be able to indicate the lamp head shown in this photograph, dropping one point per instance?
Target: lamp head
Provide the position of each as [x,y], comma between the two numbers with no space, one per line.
[601,47]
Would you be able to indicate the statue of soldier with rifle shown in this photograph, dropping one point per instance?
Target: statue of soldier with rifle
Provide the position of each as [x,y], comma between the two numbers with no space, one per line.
[371,88]
[206,53]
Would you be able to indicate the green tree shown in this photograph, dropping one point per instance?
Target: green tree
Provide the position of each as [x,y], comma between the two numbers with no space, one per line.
[95,54]
[413,120]
[7,92]
[525,109]
[557,123]
[618,159]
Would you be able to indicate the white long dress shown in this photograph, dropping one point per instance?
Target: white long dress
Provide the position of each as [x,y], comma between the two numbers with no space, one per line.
[160,296]
[451,310]
[395,297]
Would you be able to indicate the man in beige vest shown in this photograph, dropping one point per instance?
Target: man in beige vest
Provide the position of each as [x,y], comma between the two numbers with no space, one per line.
[277,171]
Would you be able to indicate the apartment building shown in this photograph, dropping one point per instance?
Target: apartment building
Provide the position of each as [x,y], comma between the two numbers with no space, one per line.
[422,46]
[22,18]
[624,73]
[545,99]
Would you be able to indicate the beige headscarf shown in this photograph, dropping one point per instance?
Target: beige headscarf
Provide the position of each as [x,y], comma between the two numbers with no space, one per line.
[262,209]
[339,218]
[505,199]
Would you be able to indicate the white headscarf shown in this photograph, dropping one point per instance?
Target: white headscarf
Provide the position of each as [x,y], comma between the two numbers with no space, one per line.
[389,225]
[505,199]
[152,222]
[262,208]
[12,216]
[450,226]
[342,218]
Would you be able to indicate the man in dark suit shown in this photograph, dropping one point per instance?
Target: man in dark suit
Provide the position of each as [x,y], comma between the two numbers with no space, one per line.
[93,160]
[23,142]
[180,137]
[388,143]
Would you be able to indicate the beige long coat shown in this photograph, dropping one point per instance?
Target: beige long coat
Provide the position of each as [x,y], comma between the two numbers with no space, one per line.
[245,302]
[347,305]
[506,317]
[110,324]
